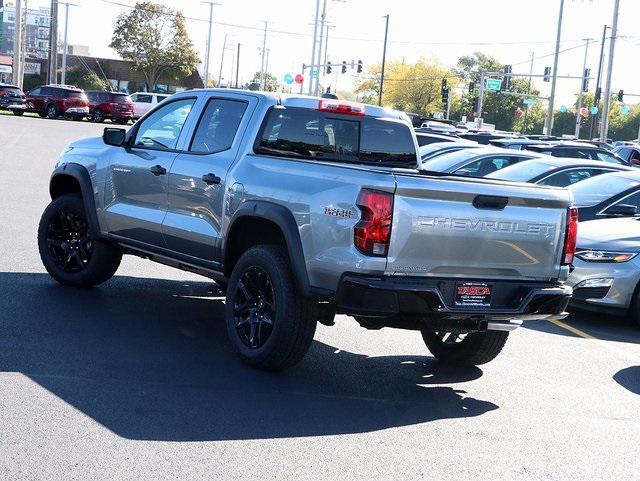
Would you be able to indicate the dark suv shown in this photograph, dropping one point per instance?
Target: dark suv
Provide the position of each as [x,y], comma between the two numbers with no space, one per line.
[576,150]
[52,101]
[116,106]
[12,98]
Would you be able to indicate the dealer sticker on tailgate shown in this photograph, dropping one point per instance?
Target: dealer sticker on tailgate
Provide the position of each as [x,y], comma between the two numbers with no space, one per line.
[473,294]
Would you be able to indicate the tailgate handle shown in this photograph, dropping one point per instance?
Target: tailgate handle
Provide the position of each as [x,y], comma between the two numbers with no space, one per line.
[492,202]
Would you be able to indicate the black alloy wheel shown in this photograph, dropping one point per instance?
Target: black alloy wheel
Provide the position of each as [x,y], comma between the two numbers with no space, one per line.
[69,241]
[254,308]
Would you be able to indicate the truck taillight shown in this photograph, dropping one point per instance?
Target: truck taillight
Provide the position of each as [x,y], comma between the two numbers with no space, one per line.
[372,233]
[341,107]
[571,236]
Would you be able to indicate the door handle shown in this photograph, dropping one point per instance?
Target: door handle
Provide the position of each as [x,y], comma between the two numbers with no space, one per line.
[491,202]
[211,179]
[158,170]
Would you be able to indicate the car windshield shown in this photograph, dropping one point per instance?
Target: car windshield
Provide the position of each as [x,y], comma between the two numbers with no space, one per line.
[522,171]
[10,90]
[597,189]
[75,94]
[445,161]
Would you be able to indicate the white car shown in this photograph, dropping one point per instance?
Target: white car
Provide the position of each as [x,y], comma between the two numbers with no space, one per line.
[145,101]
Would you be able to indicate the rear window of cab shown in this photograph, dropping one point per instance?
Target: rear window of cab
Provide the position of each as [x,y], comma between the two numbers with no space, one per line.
[313,134]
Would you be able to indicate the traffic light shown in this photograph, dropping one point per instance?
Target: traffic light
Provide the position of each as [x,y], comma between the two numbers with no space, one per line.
[472,87]
[598,95]
[344,66]
[359,68]
[444,90]
[506,83]
[620,95]
[585,80]
[328,69]
[547,74]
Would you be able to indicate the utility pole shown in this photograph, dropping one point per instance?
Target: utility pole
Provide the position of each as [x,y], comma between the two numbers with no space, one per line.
[384,57]
[480,100]
[322,25]
[264,49]
[607,89]
[549,119]
[313,46]
[53,43]
[594,118]
[237,64]
[208,49]
[63,76]
[326,44]
[224,47]
[16,67]
[584,80]
[266,71]
[526,112]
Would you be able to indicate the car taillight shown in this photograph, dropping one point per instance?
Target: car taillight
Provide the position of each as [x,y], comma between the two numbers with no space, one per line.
[341,107]
[372,233]
[571,236]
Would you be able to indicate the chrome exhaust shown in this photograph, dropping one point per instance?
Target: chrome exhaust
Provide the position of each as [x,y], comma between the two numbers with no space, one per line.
[503,326]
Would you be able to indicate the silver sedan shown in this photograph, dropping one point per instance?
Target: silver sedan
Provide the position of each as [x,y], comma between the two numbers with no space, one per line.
[607,267]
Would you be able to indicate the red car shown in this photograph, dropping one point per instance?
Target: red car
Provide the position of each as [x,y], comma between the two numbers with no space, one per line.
[52,101]
[116,106]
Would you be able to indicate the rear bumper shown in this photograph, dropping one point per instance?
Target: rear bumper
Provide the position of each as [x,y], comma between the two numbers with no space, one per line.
[77,110]
[433,298]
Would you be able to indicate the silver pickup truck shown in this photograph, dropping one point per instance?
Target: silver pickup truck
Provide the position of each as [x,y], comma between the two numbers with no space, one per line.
[303,208]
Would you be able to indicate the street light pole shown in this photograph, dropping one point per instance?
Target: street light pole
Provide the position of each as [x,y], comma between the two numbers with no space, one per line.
[579,106]
[224,47]
[384,57]
[237,64]
[264,48]
[607,90]
[322,25]
[208,49]
[594,118]
[63,75]
[526,112]
[549,119]
[313,47]
[17,46]
[53,43]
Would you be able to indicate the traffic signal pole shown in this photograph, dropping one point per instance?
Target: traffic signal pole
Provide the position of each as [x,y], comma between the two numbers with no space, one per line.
[594,118]
[579,106]
[480,100]
[604,132]
[384,57]
[549,119]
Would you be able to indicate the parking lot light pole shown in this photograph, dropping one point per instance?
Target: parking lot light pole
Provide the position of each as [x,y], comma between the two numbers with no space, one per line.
[604,132]
[594,118]
[384,57]
[579,106]
[554,78]
[208,49]
[313,47]
[63,76]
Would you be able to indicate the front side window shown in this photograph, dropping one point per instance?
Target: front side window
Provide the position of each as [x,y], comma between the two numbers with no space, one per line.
[569,177]
[606,157]
[143,98]
[37,91]
[633,199]
[312,134]
[162,128]
[218,126]
[598,189]
[486,166]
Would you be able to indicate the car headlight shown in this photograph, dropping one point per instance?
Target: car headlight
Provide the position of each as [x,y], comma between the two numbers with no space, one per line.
[604,256]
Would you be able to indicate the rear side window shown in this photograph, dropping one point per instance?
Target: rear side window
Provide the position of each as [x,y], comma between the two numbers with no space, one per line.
[10,90]
[311,134]
[218,126]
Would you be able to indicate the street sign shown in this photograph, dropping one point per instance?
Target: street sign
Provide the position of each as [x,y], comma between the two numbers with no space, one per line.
[493,84]
[529,101]
[314,74]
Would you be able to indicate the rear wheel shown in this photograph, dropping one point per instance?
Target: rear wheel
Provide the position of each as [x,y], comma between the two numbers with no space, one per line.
[52,111]
[98,116]
[18,112]
[269,324]
[465,349]
[68,249]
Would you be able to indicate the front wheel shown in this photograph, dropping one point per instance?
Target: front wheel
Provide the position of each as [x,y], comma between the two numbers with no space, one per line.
[68,250]
[270,325]
[52,112]
[18,112]
[465,349]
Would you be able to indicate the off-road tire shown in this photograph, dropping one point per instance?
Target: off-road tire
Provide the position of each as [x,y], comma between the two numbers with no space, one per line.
[294,320]
[475,349]
[104,258]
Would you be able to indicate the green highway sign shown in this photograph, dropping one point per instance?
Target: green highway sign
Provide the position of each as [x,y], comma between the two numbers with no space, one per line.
[529,101]
[493,84]
[314,74]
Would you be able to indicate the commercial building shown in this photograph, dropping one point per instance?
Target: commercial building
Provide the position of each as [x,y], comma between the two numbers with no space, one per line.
[37,30]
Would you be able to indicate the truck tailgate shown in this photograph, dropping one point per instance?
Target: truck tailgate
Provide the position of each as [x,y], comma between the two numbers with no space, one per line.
[476,229]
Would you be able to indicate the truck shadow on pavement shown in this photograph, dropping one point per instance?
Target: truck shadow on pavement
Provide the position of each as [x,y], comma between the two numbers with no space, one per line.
[149,360]
[629,378]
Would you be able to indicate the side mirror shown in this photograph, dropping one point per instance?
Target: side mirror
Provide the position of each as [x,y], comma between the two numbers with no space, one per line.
[114,136]
[621,210]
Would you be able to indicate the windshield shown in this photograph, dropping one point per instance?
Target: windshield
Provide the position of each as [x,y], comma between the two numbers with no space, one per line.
[600,188]
[522,171]
[10,90]
[446,161]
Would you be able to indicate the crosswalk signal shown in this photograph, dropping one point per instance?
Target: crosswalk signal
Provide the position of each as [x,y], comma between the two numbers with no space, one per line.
[328,69]
[359,68]
[585,80]
[620,95]
[547,74]
[344,66]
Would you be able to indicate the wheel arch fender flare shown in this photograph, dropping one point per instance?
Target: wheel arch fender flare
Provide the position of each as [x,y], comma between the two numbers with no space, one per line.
[80,174]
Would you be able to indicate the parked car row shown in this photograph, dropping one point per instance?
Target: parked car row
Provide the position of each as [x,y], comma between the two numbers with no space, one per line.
[53,101]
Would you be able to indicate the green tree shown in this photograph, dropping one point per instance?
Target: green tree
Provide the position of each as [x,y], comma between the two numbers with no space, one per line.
[271,82]
[86,79]
[154,37]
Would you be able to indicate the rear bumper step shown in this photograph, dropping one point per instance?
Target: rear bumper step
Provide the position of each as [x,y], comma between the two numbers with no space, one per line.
[433,299]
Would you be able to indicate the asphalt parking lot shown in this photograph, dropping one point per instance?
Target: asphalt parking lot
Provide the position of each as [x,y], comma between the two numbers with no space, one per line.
[135,379]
